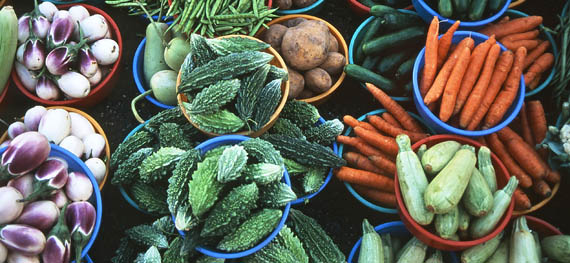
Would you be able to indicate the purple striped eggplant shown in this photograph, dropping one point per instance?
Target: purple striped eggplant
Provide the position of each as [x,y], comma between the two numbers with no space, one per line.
[34,116]
[21,258]
[59,198]
[24,154]
[23,28]
[87,63]
[50,176]
[40,214]
[24,184]
[15,129]
[40,26]
[23,239]
[46,89]
[34,54]
[61,29]
[81,217]
[58,244]
[60,59]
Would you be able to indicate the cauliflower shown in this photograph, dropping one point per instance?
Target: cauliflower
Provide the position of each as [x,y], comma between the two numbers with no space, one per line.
[565,133]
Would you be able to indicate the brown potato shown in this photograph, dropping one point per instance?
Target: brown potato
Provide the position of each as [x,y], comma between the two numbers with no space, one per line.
[303,3]
[318,80]
[304,48]
[318,24]
[283,4]
[334,63]
[294,22]
[274,35]
[333,43]
[305,94]
[296,83]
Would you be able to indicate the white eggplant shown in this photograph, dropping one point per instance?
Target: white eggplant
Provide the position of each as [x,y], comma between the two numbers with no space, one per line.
[33,117]
[14,257]
[78,187]
[94,145]
[87,62]
[34,54]
[95,79]
[20,53]
[23,29]
[48,9]
[26,77]
[80,126]
[16,129]
[94,27]
[106,51]
[55,125]
[59,198]
[74,85]
[72,144]
[78,13]
[97,168]
[47,90]
[10,208]
[24,184]
[3,253]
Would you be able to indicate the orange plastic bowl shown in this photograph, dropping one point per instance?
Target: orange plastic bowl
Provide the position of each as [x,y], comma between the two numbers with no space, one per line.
[98,92]
[434,240]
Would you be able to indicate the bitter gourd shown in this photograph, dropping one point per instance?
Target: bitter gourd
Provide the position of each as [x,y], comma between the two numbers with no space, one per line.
[147,235]
[276,195]
[129,169]
[313,180]
[132,144]
[285,248]
[164,225]
[325,133]
[305,152]
[159,164]
[227,214]
[231,163]
[204,188]
[277,73]
[287,127]
[262,150]
[216,152]
[301,113]
[150,198]
[172,254]
[251,231]
[248,94]
[269,98]
[171,115]
[200,54]
[214,97]
[178,183]
[126,252]
[230,45]
[263,173]
[171,135]
[152,255]
[294,168]
[207,259]
[219,122]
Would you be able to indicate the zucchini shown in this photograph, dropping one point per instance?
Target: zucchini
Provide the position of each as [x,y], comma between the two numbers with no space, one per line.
[391,61]
[203,187]
[463,219]
[302,114]
[557,247]
[263,173]
[313,180]
[276,195]
[231,163]
[537,245]
[446,225]
[393,39]
[171,135]
[219,122]
[437,156]
[326,133]
[436,257]
[421,151]
[305,152]
[285,248]
[405,69]
[371,248]
[269,98]
[486,168]
[370,32]
[287,127]
[387,248]
[477,198]
[248,94]
[128,170]
[483,251]
[445,8]
[248,234]
[226,46]
[364,75]
[523,247]
[8,42]
[414,251]
[159,165]
[262,150]
[477,9]
[412,181]
[214,97]
[294,168]
[501,255]
[137,141]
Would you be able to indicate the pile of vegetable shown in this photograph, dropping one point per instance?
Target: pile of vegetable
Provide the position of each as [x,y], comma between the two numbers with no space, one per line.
[562,67]
[63,51]
[299,124]
[70,131]
[463,202]
[154,7]
[523,245]
[557,139]
[373,150]
[229,84]
[392,3]
[466,10]
[292,4]
[8,43]
[44,212]
[311,53]
[388,248]
[524,32]
[387,50]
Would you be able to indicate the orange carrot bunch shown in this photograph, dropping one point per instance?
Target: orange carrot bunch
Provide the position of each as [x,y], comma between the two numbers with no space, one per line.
[371,151]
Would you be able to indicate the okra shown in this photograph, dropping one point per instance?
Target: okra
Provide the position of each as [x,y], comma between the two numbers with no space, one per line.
[481,252]
[523,248]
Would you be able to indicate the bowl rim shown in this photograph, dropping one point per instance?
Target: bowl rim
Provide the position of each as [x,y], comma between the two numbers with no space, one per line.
[5,91]
[418,101]
[458,245]
[299,10]
[421,4]
[537,221]
[116,35]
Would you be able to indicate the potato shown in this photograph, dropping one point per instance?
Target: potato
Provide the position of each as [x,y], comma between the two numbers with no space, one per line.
[334,63]
[283,4]
[333,43]
[303,3]
[274,36]
[305,47]
[317,24]
[318,80]
[296,83]
[294,22]
[305,94]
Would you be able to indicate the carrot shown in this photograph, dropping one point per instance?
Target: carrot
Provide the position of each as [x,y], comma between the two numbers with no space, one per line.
[535,53]
[445,43]
[386,165]
[393,131]
[365,178]
[540,65]
[542,188]
[390,119]
[520,36]
[521,200]
[381,197]
[395,109]
[472,74]
[352,122]
[482,140]
[528,44]
[453,84]
[506,96]
[430,56]
[360,161]
[507,134]
[525,128]
[358,144]
[537,120]
[491,78]
[381,142]
[438,85]
[553,177]
[514,169]
[527,158]
[513,26]
[534,83]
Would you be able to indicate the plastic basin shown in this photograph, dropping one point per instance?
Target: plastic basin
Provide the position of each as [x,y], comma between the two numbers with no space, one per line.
[427,14]
[363,10]
[311,10]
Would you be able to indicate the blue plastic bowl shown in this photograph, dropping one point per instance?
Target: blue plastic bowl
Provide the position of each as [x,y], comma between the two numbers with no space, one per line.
[138,75]
[155,18]
[394,228]
[230,140]
[443,128]
[75,164]
[544,34]
[353,192]
[312,9]
[427,14]
[327,179]
[357,38]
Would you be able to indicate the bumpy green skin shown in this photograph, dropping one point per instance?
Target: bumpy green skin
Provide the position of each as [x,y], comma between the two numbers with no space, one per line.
[277,73]
[301,113]
[128,170]
[159,165]
[285,248]
[231,163]
[204,188]
[557,247]
[269,98]
[248,94]
[317,243]
[219,122]
[177,192]
[287,127]
[276,195]
[225,67]
[216,152]
[477,198]
[164,225]
[172,254]
[305,152]
[132,144]
[446,225]
[251,231]
[150,198]
[227,46]
[263,173]
[171,135]
[294,168]
[227,214]
[214,97]
[152,255]
[200,54]
[126,252]
[262,150]
[326,133]
[206,259]
[147,235]
[313,180]
[171,115]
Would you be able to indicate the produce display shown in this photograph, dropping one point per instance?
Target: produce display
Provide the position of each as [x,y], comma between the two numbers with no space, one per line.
[154,7]
[292,4]
[8,42]
[392,3]
[466,10]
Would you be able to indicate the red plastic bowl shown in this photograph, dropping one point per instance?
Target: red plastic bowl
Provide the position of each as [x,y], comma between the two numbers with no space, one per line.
[3,94]
[543,228]
[434,240]
[363,10]
[102,89]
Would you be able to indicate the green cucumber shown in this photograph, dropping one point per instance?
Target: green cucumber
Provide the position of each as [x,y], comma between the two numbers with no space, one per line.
[461,6]
[495,5]
[370,61]
[405,68]
[477,9]
[380,10]
[398,20]
[394,39]
[391,61]
[445,8]
[371,30]
[364,75]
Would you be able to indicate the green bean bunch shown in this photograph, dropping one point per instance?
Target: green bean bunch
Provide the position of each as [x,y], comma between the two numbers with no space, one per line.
[220,17]
[562,77]
[154,7]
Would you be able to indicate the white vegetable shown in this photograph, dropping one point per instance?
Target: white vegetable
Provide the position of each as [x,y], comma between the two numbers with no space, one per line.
[16,128]
[20,52]
[78,13]
[74,85]
[63,13]
[94,27]
[78,187]
[94,145]
[19,258]
[80,126]
[108,34]
[95,79]
[33,117]
[24,184]
[55,125]
[10,208]
[48,9]
[26,77]
[73,144]
[3,253]
[98,168]
[59,198]
[106,51]
[47,90]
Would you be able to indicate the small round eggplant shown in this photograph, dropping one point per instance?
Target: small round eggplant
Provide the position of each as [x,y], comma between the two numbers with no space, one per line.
[94,145]
[20,53]
[59,198]
[10,208]
[73,145]
[78,187]
[80,126]
[40,26]
[47,90]
[22,239]
[24,184]
[21,258]
[106,51]
[94,27]
[87,62]
[96,78]
[97,168]
[61,29]
[16,129]
[48,9]
[55,125]
[3,253]
[23,29]
[40,214]
[34,55]
[74,85]
[34,116]
[78,13]
[26,77]
[59,60]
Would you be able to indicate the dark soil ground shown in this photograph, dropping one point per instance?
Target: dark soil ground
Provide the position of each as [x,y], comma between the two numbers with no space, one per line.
[335,209]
